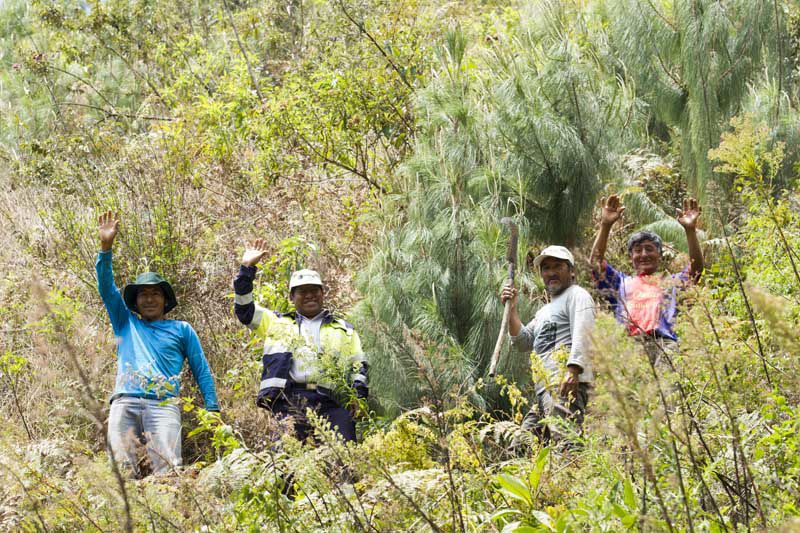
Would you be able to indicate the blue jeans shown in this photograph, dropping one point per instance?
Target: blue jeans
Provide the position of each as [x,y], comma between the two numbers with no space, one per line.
[155,424]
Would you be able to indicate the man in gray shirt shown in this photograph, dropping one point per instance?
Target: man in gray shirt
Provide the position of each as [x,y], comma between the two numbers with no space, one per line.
[558,334]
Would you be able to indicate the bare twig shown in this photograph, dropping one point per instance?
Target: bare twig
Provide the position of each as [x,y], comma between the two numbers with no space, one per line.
[115,113]
[34,501]
[250,71]
[750,314]
[91,404]
[363,29]
[731,417]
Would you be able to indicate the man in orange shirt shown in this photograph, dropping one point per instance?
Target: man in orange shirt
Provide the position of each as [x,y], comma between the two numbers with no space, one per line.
[646,303]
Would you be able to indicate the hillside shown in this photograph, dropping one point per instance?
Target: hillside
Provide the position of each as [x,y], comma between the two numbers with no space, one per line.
[382,143]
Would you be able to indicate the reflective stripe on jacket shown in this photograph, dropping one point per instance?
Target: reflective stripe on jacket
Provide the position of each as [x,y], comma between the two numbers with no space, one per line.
[280,330]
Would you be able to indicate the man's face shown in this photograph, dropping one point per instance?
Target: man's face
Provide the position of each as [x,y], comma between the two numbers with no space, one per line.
[307,299]
[150,302]
[645,257]
[556,275]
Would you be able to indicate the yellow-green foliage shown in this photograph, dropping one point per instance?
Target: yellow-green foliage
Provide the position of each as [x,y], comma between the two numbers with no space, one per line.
[405,443]
[206,123]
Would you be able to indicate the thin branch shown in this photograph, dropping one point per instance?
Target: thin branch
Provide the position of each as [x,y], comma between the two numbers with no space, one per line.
[26,490]
[359,173]
[668,72]
[47,83]
[388,477]
[115,113]
[253,78]
[737,439]
[786,246]
[134,71]
[12,382]
[362,28]
[779,36]
[83,81]
[662,17]
[91,404]
[746,300]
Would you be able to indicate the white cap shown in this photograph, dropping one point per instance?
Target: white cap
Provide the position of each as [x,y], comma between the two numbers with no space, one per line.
[559,252]
[305,277]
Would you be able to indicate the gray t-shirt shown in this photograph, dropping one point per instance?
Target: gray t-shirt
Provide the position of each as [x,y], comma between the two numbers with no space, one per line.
[564,322]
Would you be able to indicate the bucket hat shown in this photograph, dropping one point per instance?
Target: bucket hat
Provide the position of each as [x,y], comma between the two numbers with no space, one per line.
[149,278]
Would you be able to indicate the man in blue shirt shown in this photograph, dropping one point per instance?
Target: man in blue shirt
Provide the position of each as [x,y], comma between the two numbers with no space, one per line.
[150,352]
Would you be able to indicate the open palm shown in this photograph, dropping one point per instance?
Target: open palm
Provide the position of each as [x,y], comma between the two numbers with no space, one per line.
[688,216]
[254,252]
[108,227]
[612,210]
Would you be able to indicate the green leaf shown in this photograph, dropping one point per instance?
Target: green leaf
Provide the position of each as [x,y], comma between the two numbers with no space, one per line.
[544,519]
[511,527]
[195,431]
[536,474]
[518,527]
[514,488]
[561,524]
[502,513]
[628,495]
[619,510]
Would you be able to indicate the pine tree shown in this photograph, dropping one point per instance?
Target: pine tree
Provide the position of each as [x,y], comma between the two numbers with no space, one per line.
[692,60]
[430,273]
[530,134]
[562,119]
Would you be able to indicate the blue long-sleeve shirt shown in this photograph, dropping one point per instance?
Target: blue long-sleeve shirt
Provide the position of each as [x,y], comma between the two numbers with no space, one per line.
[150,354]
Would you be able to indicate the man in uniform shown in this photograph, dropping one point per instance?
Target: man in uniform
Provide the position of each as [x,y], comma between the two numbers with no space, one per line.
[298,346]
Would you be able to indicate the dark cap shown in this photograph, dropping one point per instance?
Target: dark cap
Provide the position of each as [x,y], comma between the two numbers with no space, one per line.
[148,279]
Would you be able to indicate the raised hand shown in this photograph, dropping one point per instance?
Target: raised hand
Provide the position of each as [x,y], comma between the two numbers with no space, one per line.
[254,252]
[108,226]
[687,217]
[612,210]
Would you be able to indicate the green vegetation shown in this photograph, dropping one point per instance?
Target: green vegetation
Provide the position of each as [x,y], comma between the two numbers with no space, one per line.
[381,142]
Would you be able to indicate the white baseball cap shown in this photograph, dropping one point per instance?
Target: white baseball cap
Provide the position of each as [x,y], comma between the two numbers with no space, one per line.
[558,252]
[305,277]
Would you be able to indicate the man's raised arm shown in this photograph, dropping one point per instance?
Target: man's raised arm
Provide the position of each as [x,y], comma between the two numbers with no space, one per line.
[521,336]
[245,308]
[687,217]
[108,227]
[612,211]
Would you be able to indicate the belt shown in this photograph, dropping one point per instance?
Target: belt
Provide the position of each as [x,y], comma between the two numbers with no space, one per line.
[311,386]
[654,335]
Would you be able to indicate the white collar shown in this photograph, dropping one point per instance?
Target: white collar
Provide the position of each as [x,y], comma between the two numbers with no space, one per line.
[318,317]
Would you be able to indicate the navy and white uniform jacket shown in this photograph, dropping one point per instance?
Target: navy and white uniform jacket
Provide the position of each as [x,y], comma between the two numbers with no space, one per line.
[282,339]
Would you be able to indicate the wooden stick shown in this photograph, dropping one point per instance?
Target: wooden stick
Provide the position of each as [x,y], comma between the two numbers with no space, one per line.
[499,344]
